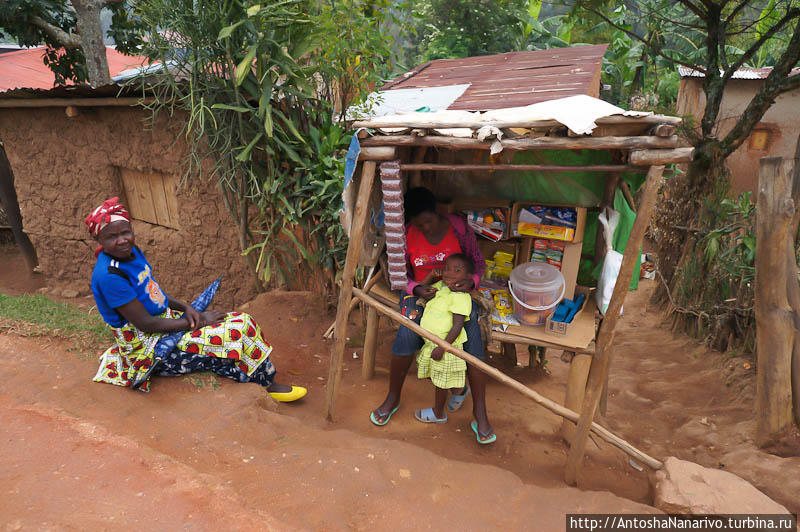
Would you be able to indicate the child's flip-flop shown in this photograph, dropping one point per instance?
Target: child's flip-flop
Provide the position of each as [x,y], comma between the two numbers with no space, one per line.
[426,415]
[456,400]
[490,438]
[385,421]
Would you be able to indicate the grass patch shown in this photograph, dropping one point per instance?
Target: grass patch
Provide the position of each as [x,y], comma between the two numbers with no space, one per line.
[36,315]
[204,379]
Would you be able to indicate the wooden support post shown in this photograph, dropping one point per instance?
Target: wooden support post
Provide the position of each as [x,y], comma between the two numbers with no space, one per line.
[498,375]
[775,323]
[370,344]
[415,180]
[600,363]
[626,191]
[346,290]
[576,389]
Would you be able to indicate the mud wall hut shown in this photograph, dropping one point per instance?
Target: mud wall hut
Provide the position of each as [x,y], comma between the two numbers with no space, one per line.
[775,135]
[71,148]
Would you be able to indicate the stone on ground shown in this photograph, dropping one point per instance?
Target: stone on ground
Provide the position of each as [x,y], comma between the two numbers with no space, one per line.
[683,487]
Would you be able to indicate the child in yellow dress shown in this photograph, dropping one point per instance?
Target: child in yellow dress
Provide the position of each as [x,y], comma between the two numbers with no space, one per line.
[444,316]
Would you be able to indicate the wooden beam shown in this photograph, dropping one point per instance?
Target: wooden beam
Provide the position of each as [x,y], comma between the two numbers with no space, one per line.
[775,324]
[663,130]
[346,290]
[370,344]
[541,143]
[514,339]
[521,167]
[626,191]
[425,122]
[377,153]
[602,359]
[659,157]
[498,375]
[74,102]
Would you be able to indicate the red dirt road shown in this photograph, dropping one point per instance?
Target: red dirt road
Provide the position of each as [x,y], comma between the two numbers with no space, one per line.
[210,454]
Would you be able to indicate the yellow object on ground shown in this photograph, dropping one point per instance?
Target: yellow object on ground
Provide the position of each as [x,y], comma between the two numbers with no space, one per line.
[297,392]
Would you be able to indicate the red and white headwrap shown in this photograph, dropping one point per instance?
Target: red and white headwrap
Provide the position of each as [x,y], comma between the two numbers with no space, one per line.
[109,211]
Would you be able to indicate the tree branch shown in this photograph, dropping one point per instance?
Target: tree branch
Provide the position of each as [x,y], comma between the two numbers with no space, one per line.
[694,8]
[776,83]
[67,40]
[650,44]
[735,11]
[750,52]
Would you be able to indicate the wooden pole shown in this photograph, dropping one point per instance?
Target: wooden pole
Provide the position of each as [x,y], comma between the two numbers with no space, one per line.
[346,290]
[498,375]
[659,157]
[426,122]
[370,344]
[377,153]
[522,167]
[541,143]
[74,102]
[775,327]
[600,363]
[626,191]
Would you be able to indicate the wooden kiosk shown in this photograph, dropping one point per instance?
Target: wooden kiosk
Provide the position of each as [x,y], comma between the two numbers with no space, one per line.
[637,144]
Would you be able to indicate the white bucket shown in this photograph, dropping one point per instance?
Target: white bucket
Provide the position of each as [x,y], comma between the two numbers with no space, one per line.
[537,288]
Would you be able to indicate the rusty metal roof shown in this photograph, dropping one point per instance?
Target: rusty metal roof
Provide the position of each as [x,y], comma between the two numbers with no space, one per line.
[512,79]
[742,73]
[25,69]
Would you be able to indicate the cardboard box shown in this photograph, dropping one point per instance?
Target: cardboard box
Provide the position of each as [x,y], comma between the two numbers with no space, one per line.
[570,263]
[549,231]
[560,328]
[477,204]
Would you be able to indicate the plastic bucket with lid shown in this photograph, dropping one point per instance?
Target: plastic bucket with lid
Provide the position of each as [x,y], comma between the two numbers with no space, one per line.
[536,288]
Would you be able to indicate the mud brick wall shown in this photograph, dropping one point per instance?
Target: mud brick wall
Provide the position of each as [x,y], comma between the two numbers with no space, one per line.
[65,167]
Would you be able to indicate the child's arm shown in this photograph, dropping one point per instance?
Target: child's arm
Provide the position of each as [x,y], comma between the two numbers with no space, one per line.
[458,324]
[434,276]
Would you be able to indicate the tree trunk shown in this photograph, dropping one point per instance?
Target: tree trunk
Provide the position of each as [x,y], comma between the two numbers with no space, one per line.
[775,319]
[91,34]
[8,198]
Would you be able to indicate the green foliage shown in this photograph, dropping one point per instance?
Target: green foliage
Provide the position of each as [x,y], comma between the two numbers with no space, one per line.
[36,315]
[463,28]
[23,21]
[261,85]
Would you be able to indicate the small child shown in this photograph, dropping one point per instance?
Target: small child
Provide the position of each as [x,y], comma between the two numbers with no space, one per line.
[444,316]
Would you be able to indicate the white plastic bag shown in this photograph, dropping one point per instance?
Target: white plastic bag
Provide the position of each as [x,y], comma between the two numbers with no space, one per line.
[612,261]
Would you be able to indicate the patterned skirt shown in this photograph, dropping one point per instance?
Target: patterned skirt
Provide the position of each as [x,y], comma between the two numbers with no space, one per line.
[449,372]
[234,348]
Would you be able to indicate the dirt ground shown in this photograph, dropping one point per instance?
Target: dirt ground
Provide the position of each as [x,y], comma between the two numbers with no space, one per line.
[209,454]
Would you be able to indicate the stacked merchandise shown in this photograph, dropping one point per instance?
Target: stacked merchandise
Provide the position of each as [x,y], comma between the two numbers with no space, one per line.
[549,251]
[488,223]
[392,188]
[557,223]
[494,289]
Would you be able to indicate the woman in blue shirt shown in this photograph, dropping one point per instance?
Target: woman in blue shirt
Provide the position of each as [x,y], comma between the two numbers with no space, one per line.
[139,312]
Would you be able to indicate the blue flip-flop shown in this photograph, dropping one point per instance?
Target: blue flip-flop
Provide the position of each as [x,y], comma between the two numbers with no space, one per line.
[456,400]
[489,439]
[385,421]
[426,415]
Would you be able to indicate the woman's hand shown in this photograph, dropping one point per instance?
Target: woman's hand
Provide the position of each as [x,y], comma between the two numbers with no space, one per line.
[210,317]
[437,353]
[193,317]
[424,291]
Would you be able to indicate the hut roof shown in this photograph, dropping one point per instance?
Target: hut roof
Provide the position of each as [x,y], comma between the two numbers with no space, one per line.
[512,79]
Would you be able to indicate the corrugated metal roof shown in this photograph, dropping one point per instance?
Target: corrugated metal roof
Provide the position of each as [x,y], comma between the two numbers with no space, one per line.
[512,79]
[742,73]
[25,69]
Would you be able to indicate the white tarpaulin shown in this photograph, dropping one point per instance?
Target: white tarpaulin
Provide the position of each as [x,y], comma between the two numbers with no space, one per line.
[406,100]
[578,113]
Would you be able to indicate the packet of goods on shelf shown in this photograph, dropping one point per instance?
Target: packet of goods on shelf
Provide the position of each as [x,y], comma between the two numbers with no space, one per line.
[489,223]
[549,251]
[548,222]
[499,268]
[503,313]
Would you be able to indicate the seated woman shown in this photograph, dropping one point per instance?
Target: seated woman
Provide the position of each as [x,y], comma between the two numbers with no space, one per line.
[139,312]
[430,239]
